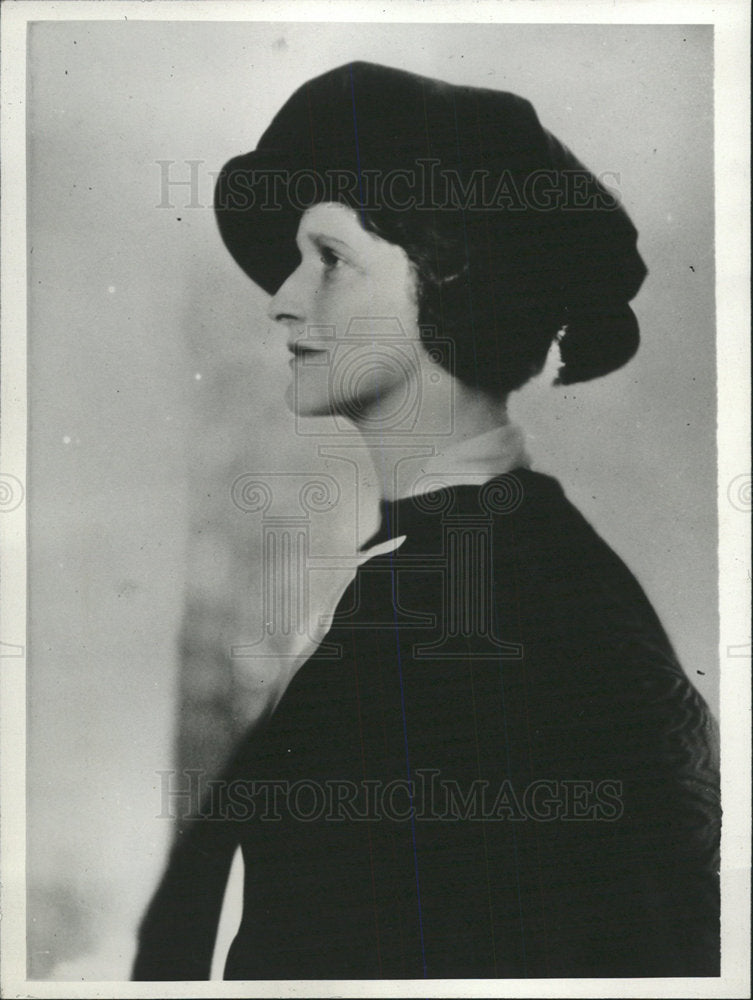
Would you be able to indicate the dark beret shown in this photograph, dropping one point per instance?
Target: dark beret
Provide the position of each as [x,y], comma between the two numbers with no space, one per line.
[477,161]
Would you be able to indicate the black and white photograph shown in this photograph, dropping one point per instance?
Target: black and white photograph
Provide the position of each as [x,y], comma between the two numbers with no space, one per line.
[375,495]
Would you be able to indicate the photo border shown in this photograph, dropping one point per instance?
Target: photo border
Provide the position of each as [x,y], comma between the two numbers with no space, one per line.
[731,21]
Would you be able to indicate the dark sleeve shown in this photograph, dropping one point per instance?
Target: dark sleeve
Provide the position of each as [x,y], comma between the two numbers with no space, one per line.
[177,935]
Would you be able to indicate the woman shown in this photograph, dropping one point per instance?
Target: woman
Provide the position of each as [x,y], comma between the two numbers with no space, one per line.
[494,765]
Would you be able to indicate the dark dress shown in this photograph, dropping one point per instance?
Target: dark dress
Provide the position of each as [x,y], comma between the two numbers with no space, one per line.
[493,767]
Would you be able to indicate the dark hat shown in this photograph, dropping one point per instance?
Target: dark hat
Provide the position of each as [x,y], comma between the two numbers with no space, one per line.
[407,149]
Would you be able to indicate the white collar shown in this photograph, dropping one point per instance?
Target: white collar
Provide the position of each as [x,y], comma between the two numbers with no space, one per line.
[473,461]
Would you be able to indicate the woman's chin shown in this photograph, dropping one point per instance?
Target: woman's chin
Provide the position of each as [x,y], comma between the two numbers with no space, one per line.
[303,404]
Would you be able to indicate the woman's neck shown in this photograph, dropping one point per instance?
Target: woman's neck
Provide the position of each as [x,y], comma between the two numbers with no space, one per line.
[444,420]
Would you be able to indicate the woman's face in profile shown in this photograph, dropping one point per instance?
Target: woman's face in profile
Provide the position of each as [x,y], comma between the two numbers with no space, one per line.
[350,315]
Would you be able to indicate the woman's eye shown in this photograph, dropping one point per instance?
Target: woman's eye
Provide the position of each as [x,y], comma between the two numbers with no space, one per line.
[329,258]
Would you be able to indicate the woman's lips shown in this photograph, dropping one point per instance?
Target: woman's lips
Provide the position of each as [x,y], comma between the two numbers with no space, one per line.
[308,354]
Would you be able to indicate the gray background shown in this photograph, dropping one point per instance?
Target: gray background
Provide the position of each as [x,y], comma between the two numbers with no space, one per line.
[143,573]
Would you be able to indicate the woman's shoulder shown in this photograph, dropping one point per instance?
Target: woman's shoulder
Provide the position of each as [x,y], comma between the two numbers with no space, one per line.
[535,520]
[536,499]
[519,534]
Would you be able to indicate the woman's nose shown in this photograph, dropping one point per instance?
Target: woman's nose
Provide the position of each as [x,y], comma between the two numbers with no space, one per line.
[287,305]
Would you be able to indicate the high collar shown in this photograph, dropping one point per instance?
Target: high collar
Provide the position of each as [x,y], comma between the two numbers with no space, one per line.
[472,462]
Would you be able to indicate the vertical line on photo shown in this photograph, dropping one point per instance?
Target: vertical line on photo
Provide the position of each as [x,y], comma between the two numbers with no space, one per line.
[492,610]
[528,737]
[368,827]
[435,238]
[311,126]
[394,603]
[457,627]
[475,719]
[467,256]
[495,626]
[358,148]
[483,824]
[495,339]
